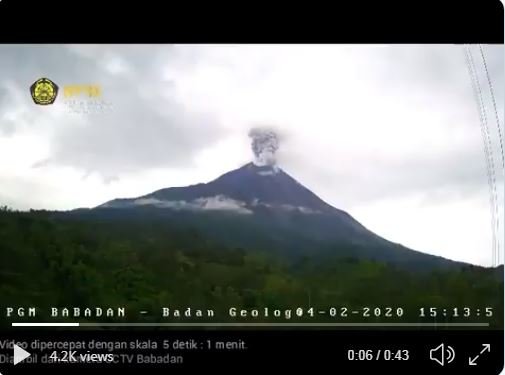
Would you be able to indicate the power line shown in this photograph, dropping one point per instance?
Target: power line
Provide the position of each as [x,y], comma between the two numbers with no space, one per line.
[491,90]
[487,149]
[492,169]
[491,159]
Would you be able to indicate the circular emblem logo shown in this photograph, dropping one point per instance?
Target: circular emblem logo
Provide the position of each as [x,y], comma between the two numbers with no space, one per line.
[44,91]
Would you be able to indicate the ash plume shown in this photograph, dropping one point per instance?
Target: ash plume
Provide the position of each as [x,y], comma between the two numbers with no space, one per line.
[264,144]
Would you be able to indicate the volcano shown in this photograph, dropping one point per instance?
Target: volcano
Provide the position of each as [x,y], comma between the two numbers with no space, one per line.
[244,190]
[264,207]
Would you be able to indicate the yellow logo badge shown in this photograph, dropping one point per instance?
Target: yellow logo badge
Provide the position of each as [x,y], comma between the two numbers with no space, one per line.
[44,91]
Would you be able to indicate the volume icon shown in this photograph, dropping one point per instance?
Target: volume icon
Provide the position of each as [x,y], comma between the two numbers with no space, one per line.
[442,354]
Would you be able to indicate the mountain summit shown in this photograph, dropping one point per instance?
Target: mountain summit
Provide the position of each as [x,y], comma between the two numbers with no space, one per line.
[243,190]
[262,204]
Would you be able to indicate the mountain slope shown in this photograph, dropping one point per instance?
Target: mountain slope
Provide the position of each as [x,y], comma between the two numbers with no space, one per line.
[265,207]
[249,186]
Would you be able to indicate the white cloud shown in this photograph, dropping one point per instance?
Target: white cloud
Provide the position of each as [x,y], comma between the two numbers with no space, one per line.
[215,203]
[221,203]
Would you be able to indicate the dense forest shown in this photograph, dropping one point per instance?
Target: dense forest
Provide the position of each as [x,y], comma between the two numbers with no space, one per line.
[47,261]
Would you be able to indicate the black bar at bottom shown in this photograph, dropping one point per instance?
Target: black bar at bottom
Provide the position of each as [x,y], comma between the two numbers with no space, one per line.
[167,351]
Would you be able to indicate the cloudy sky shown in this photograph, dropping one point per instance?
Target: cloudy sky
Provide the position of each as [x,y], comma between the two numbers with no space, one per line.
[388,133]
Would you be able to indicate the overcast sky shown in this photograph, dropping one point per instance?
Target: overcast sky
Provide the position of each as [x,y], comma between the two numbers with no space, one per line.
[388,133]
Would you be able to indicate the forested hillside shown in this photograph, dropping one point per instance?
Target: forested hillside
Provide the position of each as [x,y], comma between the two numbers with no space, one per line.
[47,261]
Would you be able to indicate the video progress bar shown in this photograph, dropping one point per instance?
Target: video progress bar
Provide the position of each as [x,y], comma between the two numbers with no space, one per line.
[250,324]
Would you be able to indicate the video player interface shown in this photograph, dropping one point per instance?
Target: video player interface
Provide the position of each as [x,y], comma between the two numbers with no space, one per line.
[167,207]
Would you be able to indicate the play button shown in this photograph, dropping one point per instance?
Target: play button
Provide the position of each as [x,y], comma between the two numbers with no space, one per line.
[20,354]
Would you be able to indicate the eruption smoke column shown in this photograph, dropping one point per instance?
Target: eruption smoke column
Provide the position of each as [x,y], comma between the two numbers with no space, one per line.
[265,143]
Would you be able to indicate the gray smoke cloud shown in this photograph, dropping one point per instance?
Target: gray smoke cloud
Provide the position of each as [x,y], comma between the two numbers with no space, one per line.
[264,144]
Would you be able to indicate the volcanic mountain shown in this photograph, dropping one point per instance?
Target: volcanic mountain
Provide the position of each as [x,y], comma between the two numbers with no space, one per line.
[264,207]
[243,190]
